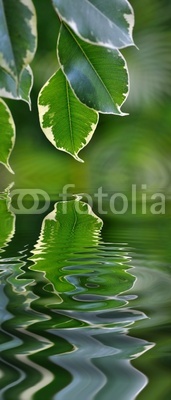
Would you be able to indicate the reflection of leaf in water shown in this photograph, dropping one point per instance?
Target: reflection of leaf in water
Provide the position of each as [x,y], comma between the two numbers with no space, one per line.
[70,228]
[105,355]
[41,344]
[87,274]
[7,220]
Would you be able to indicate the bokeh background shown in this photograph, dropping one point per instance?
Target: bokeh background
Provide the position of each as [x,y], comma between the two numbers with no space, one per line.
[135,149]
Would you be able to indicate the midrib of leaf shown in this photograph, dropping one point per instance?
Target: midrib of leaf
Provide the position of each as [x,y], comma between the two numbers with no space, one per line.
[8,36]
[69,116]
[91,64]
[75,221]
[104,16]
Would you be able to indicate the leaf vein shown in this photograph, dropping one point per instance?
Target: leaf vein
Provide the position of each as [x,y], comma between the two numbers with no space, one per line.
[69,116]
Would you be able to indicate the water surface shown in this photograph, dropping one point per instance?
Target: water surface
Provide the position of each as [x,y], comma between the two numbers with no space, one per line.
[84,312]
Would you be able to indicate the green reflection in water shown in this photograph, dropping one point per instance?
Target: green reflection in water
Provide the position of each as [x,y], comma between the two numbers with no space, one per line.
[69,252]
[45,350]
[7,220]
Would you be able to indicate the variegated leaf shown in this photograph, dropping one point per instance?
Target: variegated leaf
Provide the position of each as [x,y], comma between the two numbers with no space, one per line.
[7,134]
[66,122]
[107,23]
[10,89]
[97,75]
[18,35]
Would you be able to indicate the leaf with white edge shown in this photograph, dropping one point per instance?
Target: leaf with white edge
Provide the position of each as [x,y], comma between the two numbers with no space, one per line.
[10,89]
[107,23]
[7,135]
[67,123]
[98,76]
[18,35]
[70,228]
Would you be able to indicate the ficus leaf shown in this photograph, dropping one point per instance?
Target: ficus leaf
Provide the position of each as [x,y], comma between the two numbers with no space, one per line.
[10,89]
[18,30]
[108,23]
[67,123]
[7,134]
[97,75]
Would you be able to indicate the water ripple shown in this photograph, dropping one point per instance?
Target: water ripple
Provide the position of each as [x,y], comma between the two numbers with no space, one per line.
[66,317]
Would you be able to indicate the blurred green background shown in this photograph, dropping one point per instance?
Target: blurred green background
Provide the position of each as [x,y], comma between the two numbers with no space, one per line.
[124,150]
[134,149]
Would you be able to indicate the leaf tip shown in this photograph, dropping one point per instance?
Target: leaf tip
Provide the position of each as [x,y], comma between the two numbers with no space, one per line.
[6,165]
[29,104]
[9,168]
[75,155]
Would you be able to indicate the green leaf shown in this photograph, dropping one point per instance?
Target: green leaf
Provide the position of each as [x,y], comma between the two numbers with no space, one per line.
[67,123]
[7,220]
[10,89]
[7,134]
[108,23]
[97,75]
[18,35]
[70,227]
